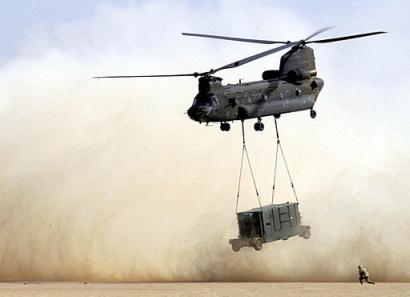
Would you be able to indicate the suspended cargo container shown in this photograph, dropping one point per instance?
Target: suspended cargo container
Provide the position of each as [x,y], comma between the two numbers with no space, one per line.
[269,223]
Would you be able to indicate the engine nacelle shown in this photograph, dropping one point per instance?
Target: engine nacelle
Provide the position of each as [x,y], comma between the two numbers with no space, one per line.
[270,74]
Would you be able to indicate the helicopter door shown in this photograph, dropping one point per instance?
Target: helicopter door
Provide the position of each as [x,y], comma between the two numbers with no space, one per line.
[231,109]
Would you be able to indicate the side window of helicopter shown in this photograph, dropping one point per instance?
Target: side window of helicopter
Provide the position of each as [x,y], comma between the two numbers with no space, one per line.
[232,102]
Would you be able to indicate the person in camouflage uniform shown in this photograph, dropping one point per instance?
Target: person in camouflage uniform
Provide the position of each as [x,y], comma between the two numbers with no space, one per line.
[364,275]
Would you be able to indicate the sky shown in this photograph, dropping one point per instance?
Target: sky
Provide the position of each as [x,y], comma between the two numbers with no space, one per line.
[110,181]
[20,17]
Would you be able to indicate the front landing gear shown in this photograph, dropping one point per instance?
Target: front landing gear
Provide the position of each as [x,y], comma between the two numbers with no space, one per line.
[259,126]
[225,126]
[312,113]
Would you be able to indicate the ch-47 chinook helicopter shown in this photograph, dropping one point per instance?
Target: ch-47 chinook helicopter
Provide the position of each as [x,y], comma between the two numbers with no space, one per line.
[294,87]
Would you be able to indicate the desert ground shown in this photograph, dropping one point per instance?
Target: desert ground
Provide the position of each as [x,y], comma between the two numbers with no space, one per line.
[202,289]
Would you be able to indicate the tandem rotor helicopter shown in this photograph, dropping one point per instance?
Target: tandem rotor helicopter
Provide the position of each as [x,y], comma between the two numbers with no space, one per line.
[294,87]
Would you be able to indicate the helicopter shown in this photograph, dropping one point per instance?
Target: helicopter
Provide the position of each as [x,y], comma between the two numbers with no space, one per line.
[293,87]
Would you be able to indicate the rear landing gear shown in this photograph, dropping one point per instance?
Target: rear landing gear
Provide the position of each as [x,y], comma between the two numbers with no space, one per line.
[225,126]
[259,126]
[312,113]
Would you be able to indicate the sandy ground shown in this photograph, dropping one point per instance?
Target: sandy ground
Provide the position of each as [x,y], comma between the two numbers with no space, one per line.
[203,289]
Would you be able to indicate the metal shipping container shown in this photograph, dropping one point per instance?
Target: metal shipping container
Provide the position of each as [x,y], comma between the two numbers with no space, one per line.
[269,223]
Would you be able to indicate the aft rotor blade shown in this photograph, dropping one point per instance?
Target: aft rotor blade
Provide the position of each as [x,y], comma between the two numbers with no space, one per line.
[318,32]
[235,38]
[346,37]
[195,74]
[255,57]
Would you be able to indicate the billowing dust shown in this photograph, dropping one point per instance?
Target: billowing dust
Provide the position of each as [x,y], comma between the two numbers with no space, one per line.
[110,181]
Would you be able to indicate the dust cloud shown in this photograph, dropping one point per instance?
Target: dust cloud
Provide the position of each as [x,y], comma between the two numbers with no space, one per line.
[110,181]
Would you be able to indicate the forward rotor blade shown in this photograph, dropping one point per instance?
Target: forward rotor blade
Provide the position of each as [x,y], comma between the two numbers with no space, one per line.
[195,74]
[346,37]
[318,32]
[235,38]
[255,57]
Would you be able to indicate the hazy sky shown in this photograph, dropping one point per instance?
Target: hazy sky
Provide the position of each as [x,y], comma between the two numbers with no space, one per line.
[20,17]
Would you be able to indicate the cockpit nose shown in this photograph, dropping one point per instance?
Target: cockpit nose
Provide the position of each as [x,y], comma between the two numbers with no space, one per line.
[203,107]
[195,112]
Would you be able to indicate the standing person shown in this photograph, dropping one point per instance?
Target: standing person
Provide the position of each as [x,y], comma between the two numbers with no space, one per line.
[364,275]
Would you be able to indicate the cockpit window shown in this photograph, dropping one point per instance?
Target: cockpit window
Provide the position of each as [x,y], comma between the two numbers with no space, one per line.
[206,100]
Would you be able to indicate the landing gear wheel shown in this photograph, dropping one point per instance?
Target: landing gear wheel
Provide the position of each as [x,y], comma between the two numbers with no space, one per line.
[225,126]
[259,126]
[306,234]
[258,244]
[277,116]
[312,113]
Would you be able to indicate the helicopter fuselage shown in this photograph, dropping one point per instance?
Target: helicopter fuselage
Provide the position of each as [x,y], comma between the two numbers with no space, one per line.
[223,103]
[294,87]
